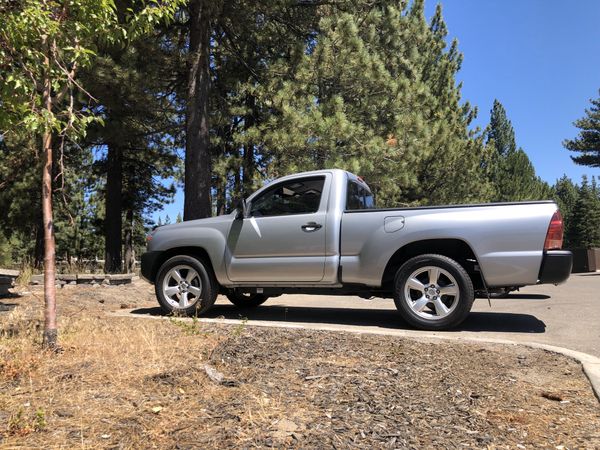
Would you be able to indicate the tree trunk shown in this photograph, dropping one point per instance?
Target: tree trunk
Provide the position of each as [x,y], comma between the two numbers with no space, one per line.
[197,180]
[249,165]
[114,209]
[128,241]
[220,194]
[50,327]
[238,190]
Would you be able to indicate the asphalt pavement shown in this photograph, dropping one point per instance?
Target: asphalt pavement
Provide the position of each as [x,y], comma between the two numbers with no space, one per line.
[565,316]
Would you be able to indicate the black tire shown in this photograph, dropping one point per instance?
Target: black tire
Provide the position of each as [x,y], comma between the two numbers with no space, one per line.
[208,290]
[422,311]
[242,300]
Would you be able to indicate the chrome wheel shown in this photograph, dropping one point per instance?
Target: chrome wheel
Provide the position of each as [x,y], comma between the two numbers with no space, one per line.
[431,292]
[182,287]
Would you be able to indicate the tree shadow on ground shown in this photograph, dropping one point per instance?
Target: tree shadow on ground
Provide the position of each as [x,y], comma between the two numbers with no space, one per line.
[519,296]
[381,318]
[5,307]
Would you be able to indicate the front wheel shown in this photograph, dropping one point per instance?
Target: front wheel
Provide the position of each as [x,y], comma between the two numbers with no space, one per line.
[243,300]
[186,286]
[433,292]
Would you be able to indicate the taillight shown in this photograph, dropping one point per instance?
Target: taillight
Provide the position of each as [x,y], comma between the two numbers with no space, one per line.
[554,236]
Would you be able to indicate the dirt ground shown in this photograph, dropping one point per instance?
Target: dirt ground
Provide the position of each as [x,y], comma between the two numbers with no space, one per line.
[126,383]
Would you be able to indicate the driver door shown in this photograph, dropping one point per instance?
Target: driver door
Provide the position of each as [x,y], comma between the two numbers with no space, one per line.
[283,237]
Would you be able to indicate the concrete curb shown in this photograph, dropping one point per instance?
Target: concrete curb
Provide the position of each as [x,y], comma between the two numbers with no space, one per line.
[590,363]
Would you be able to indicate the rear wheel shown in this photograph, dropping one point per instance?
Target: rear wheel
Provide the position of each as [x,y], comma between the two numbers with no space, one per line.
[243,300]
[186,286]
[433,292]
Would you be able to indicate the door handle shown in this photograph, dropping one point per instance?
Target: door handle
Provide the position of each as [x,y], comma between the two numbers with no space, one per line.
[311,226]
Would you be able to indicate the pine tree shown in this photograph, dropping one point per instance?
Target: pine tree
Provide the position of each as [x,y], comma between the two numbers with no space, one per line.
[5,251]
[587,143]
[44,47]
[512,174]
[374,92]
[456,170]
[20,201]
[140,132]
[566,195]
[73,224]
[253,41]
[197,203]
[586,215]
[20,196]
[501,131]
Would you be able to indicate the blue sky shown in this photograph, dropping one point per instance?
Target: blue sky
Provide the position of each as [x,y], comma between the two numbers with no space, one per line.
[540,59]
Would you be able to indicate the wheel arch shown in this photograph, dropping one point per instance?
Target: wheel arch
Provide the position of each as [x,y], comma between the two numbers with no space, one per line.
[457,249]
[195,252]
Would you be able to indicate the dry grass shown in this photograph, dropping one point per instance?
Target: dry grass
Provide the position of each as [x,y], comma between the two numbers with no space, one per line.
[126,383]
[117,383]
[106,387]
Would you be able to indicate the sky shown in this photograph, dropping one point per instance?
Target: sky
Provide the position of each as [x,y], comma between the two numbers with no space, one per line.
[539,58]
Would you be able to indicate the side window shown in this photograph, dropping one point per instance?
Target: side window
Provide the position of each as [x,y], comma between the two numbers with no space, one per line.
[358,197]
[300,196]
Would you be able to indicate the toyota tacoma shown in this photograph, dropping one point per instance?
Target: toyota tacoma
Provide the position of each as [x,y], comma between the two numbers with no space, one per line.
[320,233]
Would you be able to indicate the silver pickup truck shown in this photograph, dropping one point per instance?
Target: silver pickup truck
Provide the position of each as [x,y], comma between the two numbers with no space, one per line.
[320,233]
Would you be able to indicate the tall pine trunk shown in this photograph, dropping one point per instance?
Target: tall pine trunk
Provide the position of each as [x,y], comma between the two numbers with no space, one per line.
[197,153]
[114,209]
[220,194]
[128,242]
[249,165]
[50,327]
[238,193]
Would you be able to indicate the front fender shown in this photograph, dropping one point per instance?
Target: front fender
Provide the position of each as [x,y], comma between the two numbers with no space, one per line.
[210,238]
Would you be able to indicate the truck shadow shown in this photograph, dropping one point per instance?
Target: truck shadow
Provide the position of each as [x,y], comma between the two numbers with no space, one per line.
[519,296]
[381,318]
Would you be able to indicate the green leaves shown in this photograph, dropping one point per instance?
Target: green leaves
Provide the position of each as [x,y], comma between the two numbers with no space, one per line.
[44,48]
[54,40]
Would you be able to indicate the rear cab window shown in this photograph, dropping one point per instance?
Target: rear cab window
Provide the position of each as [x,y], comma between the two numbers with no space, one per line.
[358,197]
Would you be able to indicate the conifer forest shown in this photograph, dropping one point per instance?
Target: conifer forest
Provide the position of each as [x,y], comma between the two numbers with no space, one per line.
[107,107]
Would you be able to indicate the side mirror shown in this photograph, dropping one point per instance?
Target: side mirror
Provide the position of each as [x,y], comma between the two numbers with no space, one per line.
[241,209]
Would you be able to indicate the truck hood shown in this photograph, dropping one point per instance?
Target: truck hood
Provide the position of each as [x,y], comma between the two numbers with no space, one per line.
[208,222]
[188,233]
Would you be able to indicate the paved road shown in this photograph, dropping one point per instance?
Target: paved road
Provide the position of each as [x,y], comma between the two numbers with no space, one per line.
[566,316]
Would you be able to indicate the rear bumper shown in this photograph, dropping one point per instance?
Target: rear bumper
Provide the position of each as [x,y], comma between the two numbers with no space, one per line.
[148,266]
[556,266]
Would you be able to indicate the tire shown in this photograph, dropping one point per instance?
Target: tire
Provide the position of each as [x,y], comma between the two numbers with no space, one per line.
[242,300]
[186,286]
[433,292]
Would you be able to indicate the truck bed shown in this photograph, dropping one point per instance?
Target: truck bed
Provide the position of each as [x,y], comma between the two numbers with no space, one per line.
[508,238]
